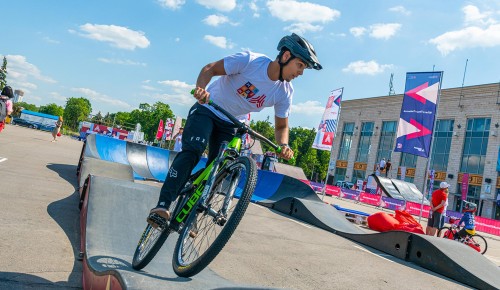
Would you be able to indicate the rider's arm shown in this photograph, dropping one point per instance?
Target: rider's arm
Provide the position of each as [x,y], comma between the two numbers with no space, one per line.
[440,205]
[281,131]
[205,76]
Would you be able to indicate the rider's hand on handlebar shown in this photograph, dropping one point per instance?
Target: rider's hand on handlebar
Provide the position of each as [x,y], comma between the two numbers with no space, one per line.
[201,95]
[286,152]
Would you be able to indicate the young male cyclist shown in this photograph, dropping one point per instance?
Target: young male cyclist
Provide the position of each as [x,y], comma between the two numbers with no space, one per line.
[248,82]
[468,220]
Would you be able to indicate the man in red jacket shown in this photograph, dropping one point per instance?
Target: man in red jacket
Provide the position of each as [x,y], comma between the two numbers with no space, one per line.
[438,201]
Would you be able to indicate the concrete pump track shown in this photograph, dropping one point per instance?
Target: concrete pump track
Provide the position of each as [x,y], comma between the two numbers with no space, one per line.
[107,170]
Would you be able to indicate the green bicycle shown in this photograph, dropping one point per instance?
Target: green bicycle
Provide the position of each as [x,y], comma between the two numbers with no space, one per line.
[205,214]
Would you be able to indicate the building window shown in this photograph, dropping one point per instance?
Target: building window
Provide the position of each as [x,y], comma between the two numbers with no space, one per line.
[408,161]
[387,135]
[473,195]
[340,174]
[346,141]
[364,142]
[358,174]
[475,144]
[442,143]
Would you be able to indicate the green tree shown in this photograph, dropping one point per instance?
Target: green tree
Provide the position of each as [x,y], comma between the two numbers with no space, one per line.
[149,117]
[266,129]
[76,110]
[3,73]
[19,106]
[52,109]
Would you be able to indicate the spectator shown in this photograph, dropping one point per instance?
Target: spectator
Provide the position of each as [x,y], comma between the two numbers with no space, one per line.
[6,97]
[382,164]
[438,201]
[57,129]
[388,166]
[178,140]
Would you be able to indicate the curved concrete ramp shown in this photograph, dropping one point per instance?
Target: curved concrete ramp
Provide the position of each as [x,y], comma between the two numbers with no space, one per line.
[442,256]
[147,162]
[272,187]
[112,220]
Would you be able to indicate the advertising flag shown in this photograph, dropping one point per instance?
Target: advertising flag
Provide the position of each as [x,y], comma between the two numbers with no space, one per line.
[329,121]
[169,128]
[416,121]
[159,132]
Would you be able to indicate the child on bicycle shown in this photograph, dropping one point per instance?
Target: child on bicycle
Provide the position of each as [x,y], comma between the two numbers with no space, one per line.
[468,220]
[248,82]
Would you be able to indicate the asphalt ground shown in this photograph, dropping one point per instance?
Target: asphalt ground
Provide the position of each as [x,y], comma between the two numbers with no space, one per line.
[39,233]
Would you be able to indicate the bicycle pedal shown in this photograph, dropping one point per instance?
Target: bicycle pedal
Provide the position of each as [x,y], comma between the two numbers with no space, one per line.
[155,220]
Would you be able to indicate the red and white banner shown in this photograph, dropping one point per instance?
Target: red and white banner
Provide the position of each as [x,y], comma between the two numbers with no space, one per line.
[159,132]
[169,127]
[373,199]
[329,122]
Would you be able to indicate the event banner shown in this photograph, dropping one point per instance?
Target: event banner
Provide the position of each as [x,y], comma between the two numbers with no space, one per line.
[169,127]
[329,121]
[418,111]
[159,131]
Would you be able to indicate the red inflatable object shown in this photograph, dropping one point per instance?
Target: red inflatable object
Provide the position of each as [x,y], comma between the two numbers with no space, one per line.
[401,221]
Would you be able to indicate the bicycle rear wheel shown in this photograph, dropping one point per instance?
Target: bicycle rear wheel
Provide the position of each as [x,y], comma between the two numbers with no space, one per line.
[214,225]
[480,242]
[445,232]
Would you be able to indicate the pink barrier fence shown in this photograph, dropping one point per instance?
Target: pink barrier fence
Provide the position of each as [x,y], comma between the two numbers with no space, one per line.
[484,225]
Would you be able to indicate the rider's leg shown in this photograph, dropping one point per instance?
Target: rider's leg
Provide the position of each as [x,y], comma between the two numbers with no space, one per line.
[195,137]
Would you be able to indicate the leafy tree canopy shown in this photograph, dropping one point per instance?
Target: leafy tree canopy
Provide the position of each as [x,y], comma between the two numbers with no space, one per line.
[52,109]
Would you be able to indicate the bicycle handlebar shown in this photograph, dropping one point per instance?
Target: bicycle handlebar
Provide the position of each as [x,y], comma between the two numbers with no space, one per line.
[243,126]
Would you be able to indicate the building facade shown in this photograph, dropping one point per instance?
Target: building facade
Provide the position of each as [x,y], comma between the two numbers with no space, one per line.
[465,140]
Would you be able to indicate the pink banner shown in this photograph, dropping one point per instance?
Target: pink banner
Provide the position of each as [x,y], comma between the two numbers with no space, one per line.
[373,199]
[465,185]
[414,208]
[159,132]
[487,225]
[332,190]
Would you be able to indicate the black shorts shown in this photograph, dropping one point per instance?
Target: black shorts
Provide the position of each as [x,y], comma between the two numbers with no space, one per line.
[435,220]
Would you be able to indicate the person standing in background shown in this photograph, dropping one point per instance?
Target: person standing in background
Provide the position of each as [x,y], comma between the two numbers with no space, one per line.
[57,129]
[388,166]
[178,140]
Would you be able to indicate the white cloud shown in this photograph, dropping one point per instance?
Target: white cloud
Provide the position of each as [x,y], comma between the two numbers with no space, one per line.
[215,20]
[22,75]
[474,16]
[178,99]
[468,37]
[172,4]
[50,40]
[308,108]
[149,88]
[219,41]
[301,28]
[101,98]
[384,30]
[357,31]
[253,6]
[366,67]
[290,10]
[221,5]
[178,86]
[400,9]
[121,62]
[118,36]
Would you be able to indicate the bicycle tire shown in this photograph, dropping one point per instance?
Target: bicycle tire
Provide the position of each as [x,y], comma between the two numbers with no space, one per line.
[444,233]
[203,257]
[481,241]
[142,259]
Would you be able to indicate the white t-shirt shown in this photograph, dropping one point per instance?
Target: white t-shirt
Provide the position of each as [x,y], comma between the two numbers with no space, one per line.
[247,88]
[178,143]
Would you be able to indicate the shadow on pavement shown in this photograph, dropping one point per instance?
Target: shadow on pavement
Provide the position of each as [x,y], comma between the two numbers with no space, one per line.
[10,280]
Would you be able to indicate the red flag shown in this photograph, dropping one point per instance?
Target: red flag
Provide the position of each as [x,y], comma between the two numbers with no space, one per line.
[159,133]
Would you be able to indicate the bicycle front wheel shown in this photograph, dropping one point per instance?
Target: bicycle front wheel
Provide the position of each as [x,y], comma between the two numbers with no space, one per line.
[150,243]
[207,230]
[480,242]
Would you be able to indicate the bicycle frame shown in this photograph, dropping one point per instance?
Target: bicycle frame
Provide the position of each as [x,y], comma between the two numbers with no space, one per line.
[226,153]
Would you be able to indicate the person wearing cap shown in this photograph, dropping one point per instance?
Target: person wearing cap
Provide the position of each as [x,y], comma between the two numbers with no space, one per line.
[438,205]
[248,82]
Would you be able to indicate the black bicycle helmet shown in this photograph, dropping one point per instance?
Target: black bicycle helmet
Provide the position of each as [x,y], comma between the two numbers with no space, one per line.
[298,47]
[7,91]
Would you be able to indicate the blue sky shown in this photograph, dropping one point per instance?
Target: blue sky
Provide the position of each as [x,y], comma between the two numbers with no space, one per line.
[119,54]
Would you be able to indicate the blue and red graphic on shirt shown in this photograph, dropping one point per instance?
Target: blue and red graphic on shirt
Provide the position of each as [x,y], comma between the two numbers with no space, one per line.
[249,92]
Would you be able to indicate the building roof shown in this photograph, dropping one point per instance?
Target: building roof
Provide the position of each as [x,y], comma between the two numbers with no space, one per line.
[28,112]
